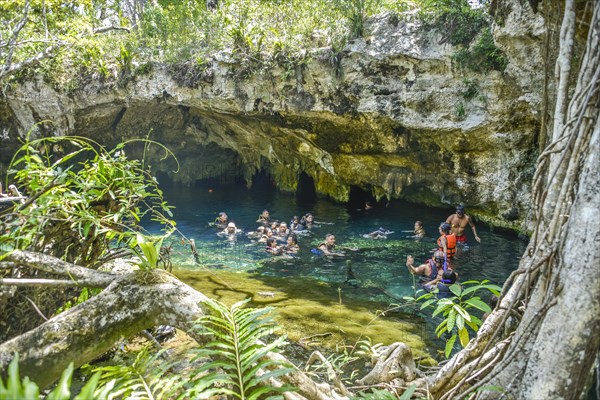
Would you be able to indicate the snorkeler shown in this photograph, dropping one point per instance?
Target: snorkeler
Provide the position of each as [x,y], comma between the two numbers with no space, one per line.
[430,271]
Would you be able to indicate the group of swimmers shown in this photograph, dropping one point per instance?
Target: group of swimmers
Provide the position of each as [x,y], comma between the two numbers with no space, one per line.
[269,232]
[438,271]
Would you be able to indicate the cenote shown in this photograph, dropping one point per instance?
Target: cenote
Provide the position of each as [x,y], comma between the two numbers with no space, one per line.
[308,289]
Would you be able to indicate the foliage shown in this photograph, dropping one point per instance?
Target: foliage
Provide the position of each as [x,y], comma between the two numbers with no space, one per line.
[17,388]
[87,199]
[456,311]
[461,25]
[343,359]
[237,367]
[148,377]
[483,56]
[103,38]
[456,19]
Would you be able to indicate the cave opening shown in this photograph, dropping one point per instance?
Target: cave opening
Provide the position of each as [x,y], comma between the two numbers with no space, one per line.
[359,198]
[306,193]
[263,182]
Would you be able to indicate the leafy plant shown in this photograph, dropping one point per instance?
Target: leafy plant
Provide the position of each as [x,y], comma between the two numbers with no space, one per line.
[148,377]
[87,199]
[17,388]
[237,367]
[456,311]
[149,255]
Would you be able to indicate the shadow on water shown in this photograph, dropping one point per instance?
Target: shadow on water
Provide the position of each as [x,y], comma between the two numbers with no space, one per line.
[378,265]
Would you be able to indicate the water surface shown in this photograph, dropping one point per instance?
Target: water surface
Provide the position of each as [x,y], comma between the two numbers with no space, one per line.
[378,265]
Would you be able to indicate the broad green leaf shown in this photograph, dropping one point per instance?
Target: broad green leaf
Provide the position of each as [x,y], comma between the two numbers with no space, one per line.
[462,312]
[464,336]
[477,303]
[451,320]
[450,345]
[456,289]
[460,322]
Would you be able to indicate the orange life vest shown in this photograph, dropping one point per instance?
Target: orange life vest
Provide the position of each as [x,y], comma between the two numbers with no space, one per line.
[450,245]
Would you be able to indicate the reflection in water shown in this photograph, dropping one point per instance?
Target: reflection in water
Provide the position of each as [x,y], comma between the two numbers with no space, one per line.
[378,265]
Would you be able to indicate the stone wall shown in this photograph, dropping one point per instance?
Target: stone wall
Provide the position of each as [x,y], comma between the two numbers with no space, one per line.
[389,115]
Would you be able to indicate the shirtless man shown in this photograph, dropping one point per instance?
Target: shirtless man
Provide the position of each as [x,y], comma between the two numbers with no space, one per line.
[459,222]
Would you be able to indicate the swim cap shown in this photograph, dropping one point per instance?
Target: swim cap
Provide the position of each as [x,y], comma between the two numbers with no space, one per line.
[231,225]
[460,207]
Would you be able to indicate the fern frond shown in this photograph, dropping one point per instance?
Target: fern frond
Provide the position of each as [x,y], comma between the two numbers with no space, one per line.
[238,366]
[146,378]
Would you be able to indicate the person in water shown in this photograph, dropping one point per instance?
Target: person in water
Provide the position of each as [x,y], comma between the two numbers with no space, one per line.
[291,246]
[447,241]
[328,246]
[257,233]
[282,230]
[268,233]
[264,218]
[307,220]
[222,220]
[419,230]
[230,231]
[380,233]
[430,271]
[295,224]
[443,286]
[458,222]
[272,246]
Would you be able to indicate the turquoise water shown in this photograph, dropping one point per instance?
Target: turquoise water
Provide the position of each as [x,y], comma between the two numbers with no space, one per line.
[377,264]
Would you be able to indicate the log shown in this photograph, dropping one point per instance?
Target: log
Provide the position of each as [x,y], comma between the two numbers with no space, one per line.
[130,304]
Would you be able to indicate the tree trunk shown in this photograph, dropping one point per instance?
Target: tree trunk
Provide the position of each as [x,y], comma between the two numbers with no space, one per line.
[131,303]
[555,294]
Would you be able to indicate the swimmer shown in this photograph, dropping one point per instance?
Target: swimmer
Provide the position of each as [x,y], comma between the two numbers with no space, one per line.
[273,247]
[430,271]
[291,246]
[295,224]
[222,220]
[268,233]
[380,233]
[264,218]
[419,230]
[328,246]
[307,220]
[282,230]
[230,231]
[257,233]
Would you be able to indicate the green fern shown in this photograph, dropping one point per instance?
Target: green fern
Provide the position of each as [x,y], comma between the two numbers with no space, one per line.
[17,388]
[237,354]
[146,378]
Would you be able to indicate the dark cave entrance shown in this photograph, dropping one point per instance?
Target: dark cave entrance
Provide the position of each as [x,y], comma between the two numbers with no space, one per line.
[306,193]
[360,200]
